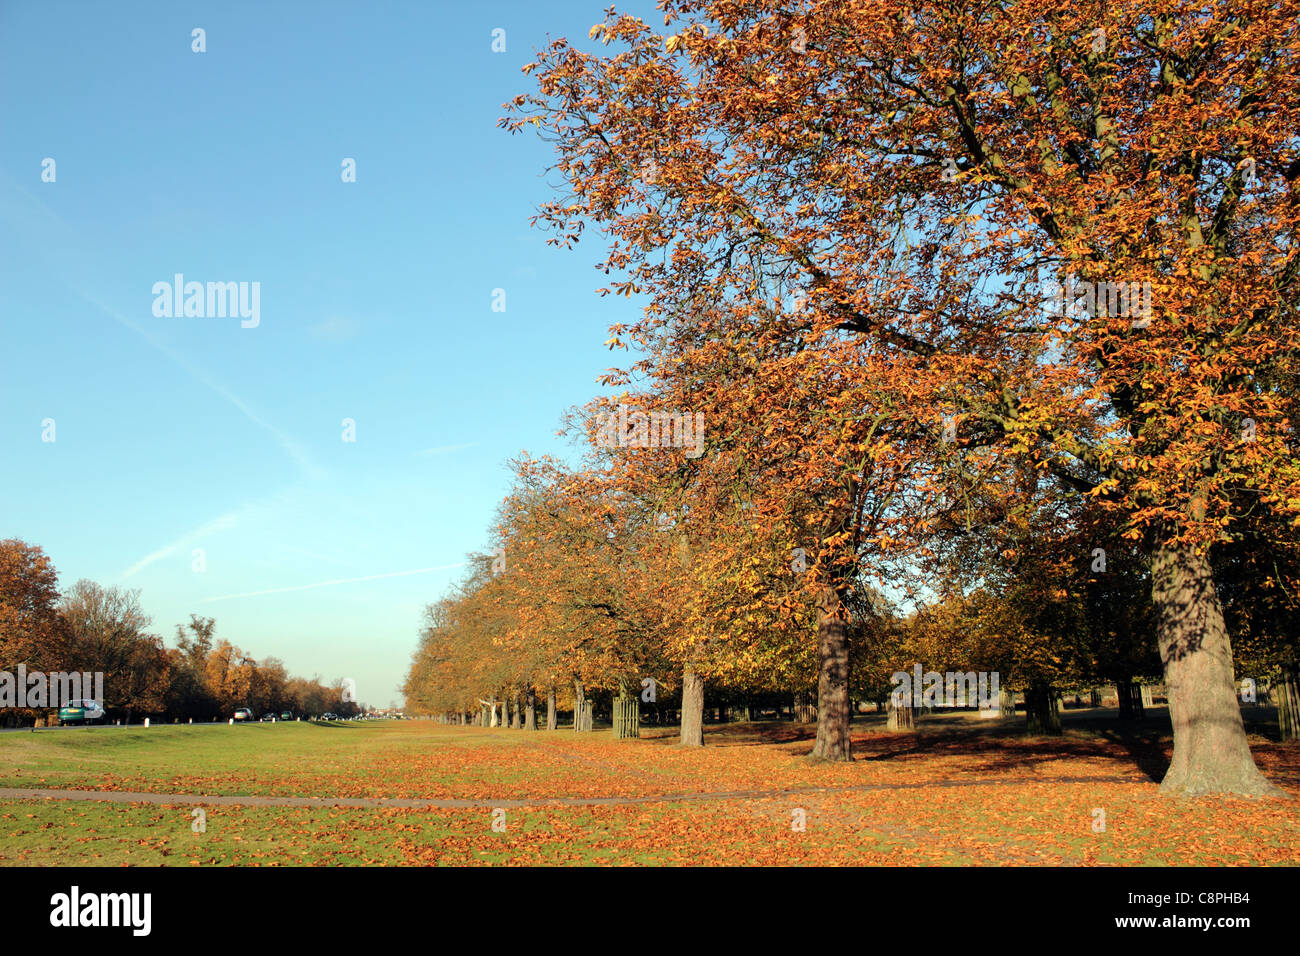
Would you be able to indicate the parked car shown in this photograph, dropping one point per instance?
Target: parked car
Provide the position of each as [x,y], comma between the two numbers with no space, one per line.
[243,715]
[285,715]
[268,717]
[81,712]
[329,717]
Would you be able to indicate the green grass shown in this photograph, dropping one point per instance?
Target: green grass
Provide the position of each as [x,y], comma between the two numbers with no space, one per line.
[280,758]
[101,834]
[948,795]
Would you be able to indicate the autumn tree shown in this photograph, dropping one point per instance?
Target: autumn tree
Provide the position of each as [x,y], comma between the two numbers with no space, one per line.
[31,630]
[187,691]
[1060,240]
[108,632]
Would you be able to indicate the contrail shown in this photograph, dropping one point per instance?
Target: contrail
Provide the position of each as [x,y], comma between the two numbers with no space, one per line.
[292,448]
[48,232]
[227,520]
[322,584]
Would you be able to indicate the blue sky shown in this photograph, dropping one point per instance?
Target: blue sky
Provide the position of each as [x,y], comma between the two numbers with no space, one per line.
[172,434]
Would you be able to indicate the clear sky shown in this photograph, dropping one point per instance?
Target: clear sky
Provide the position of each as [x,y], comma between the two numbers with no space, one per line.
[179,433]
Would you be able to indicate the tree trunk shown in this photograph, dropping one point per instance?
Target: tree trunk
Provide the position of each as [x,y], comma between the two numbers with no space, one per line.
[578,700]
[1130,700]
[1285,692]
[552,719]
[833,680]
[1042,708]
[692,708]
[516,716]
[530,714]
[1211,753]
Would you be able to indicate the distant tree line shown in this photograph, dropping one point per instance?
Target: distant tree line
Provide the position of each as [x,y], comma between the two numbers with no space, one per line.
[91,628]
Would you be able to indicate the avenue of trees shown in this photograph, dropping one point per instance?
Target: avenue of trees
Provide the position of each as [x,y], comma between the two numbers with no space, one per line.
[989,314]
[90,628]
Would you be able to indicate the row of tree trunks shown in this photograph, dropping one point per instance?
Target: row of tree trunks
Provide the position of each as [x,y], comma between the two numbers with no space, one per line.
[1211,753]
[519,716]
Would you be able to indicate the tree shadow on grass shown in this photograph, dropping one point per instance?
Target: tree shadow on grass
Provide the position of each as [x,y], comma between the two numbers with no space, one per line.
[1147,749]
[739,734]
[1000,747]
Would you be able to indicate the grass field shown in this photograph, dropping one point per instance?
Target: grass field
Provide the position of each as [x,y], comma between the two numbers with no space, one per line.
[956,792]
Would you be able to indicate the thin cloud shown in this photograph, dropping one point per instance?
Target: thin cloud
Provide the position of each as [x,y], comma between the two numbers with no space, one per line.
[325,584]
